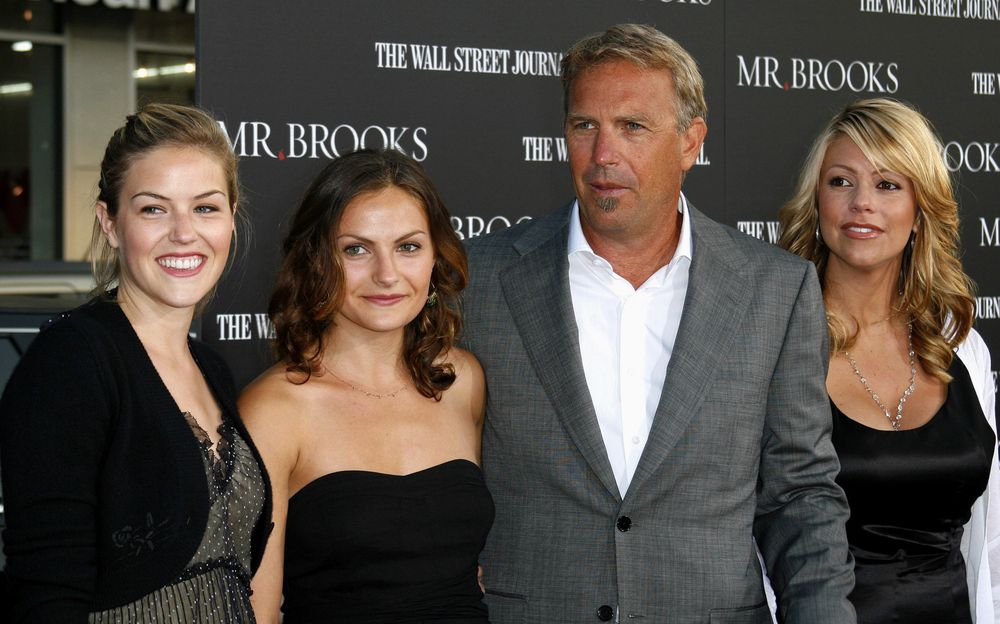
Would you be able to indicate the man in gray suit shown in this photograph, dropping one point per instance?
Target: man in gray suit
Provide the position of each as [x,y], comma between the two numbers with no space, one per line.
[656,381]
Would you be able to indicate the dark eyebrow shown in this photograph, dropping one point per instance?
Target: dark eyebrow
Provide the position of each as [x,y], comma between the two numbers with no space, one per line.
[159,197]
[634,117]
[637,117]
[411,234]
[878,173]
[365,240]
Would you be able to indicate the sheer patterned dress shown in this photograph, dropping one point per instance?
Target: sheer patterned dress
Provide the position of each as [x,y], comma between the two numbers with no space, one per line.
[214,588]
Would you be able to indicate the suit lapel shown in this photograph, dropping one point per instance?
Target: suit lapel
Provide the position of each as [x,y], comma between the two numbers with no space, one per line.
[717,298]
[536,289]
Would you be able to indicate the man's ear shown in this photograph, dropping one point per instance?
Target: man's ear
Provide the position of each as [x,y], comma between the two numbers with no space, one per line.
[691,142]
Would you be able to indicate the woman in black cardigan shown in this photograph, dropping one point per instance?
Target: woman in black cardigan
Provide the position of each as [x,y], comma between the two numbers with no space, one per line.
[133,492]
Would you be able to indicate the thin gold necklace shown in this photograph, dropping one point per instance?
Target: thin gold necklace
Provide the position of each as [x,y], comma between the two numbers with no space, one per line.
[373,395]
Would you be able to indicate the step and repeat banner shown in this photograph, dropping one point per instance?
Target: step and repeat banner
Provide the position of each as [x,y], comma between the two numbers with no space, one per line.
[470,88]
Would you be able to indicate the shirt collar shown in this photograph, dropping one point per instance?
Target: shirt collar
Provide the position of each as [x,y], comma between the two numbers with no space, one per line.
[578,242]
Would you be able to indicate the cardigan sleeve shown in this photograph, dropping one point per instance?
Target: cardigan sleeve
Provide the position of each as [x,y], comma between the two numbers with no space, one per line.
[54,422]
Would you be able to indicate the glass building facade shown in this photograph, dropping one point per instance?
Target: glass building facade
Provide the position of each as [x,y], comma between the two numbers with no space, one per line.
[70,71]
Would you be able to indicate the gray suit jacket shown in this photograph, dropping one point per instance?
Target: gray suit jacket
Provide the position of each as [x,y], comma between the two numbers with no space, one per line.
[739,447]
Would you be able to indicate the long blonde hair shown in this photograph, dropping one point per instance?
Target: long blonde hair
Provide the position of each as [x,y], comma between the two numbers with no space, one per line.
[934,290]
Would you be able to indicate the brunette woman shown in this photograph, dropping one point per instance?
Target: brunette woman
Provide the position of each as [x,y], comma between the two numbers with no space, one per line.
[370,421]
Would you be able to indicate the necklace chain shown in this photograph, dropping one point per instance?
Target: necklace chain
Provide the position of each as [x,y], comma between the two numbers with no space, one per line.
[896,420]
[372,395]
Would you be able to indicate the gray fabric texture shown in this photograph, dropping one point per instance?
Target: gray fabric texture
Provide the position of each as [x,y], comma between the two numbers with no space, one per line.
[739,447]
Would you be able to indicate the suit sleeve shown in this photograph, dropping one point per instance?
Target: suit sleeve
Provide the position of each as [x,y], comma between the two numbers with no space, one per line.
[801,511]
[53,423]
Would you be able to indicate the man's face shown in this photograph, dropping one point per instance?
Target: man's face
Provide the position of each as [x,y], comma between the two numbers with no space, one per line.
[626,154]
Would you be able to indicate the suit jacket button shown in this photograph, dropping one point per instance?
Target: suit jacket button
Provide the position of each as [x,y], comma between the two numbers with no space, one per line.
[605,613]
[624,523]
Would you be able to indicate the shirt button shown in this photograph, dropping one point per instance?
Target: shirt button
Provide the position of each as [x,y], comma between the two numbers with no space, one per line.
[624,524]
[635,439]
[605,613]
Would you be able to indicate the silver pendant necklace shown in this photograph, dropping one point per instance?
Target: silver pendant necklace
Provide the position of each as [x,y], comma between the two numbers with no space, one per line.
[894,421]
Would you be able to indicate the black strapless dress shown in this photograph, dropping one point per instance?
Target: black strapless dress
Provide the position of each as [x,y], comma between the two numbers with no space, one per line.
[910,494]
[371,547]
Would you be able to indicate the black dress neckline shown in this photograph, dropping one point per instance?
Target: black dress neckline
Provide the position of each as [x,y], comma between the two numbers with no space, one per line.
[911,493]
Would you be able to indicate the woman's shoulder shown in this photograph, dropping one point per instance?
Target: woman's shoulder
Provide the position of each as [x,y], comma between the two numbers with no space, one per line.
[282,416]
[74,361]
[279,399]
[72,339]
[469,387]
[463,360]
[975,356]
[468,370]
[271,389]
[973,352]
[93,314]
[268,408]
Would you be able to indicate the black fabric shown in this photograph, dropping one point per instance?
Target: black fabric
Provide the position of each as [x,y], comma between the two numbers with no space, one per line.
[910,494]
[104,485]
[370,547]
[214,588]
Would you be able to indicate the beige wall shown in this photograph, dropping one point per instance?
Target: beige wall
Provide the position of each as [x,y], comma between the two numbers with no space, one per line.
[99,94]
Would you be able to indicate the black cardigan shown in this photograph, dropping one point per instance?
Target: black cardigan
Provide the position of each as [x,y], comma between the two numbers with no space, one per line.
[105,490]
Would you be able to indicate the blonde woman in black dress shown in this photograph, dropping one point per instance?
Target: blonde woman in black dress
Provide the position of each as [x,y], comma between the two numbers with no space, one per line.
[909,379]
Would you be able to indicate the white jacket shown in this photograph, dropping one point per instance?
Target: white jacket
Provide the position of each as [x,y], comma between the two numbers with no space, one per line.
[981,540]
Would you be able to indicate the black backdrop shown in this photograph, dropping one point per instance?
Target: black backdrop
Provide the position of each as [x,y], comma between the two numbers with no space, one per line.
[470,88]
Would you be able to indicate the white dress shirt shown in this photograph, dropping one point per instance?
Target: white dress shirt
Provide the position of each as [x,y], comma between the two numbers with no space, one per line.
[626,339]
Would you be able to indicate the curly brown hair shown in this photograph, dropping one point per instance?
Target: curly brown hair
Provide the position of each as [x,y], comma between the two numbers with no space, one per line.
[310,283]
